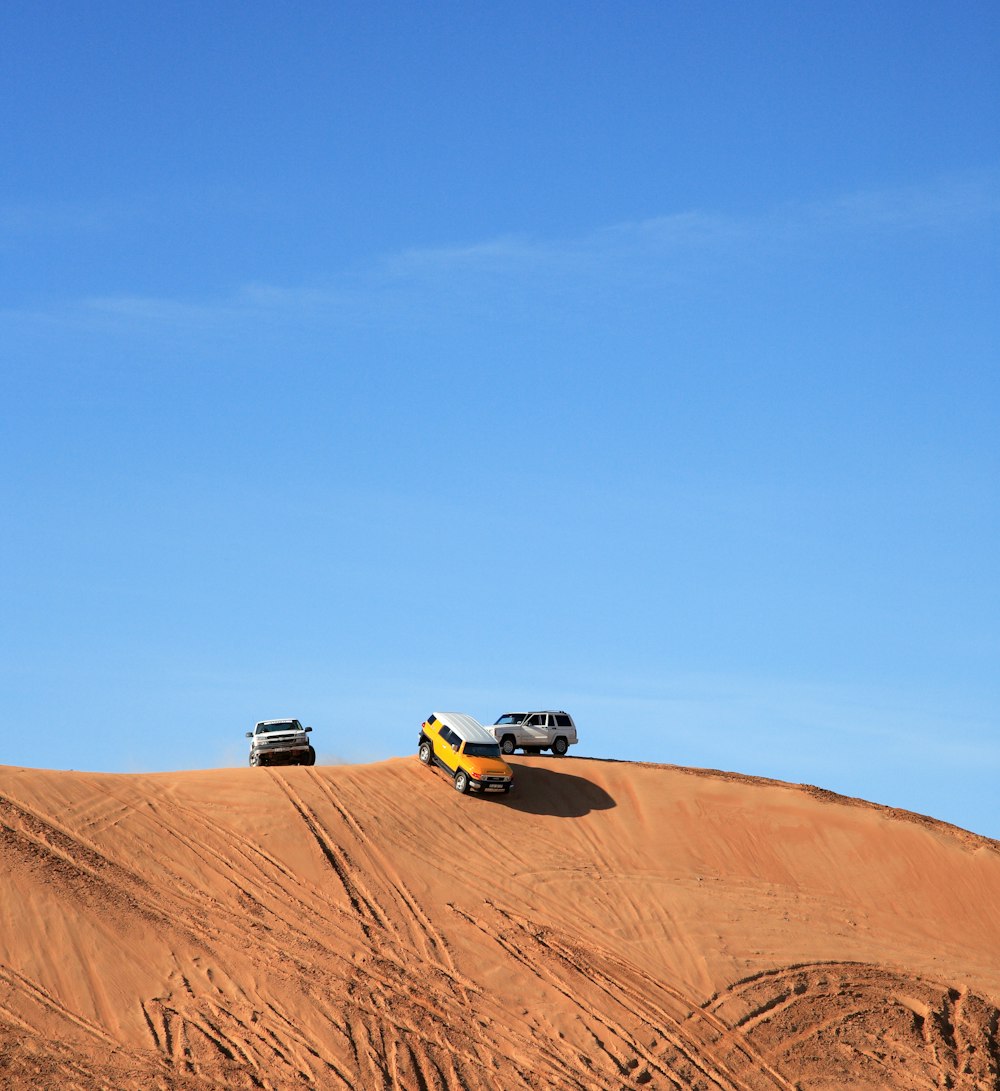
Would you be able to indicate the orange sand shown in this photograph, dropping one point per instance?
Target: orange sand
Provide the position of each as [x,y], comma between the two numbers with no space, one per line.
[609,925]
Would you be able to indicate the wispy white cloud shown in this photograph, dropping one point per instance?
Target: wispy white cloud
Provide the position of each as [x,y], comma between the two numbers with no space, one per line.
[661,249]
[940,205]
[663,237]
[152,309]
[936,206]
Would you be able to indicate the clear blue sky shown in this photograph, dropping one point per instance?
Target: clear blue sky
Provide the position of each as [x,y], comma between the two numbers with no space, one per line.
[640,360]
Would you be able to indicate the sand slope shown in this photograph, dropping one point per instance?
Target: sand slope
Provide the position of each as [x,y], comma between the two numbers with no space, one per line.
[610,925]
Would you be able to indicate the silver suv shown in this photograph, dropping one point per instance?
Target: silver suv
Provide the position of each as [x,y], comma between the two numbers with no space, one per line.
[280,742]
[534,732]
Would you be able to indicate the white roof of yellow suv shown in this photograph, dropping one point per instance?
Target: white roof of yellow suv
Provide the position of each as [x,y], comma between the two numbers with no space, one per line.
[465,727]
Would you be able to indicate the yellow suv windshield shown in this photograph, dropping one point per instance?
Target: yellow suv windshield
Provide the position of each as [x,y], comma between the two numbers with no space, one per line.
[482,750]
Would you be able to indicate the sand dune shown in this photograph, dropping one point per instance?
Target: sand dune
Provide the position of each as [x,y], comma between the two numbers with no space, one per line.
[610,925]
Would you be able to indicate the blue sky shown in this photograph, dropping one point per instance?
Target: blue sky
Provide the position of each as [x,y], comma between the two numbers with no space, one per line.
[363,360]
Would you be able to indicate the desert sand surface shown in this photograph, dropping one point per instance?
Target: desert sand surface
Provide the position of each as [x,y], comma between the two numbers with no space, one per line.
[609,925]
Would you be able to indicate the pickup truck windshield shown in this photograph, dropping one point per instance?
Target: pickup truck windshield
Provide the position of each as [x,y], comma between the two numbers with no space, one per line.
[482,750]
[286,725]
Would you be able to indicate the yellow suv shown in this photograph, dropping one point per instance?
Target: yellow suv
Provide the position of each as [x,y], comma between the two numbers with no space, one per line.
[466,751]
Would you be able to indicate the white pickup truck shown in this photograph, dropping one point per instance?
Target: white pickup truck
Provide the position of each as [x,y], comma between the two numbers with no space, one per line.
[280,742]
[534,732]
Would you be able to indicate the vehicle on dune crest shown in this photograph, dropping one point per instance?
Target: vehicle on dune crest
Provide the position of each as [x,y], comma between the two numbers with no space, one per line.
[466,751]
[534,732]
[280,742]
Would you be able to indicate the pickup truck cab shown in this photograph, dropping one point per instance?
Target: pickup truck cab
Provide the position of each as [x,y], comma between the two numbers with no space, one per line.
[280,742]
[466,751]
[534,732]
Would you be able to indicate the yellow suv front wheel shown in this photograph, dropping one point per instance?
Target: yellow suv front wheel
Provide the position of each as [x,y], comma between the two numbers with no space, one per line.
[461,781]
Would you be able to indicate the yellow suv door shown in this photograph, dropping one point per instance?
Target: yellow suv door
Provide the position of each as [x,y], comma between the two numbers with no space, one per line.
[447,747]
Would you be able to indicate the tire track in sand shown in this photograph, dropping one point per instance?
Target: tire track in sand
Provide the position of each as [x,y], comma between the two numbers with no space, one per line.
[25,986]
[422,930]
[692,1042]
[367,911]
[425,1000]
[924,1032]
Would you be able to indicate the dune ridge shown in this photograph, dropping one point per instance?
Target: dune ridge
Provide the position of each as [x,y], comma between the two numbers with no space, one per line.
[610,925]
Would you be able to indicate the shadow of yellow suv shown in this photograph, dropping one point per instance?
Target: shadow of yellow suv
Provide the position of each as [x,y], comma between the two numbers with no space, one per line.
[466,751]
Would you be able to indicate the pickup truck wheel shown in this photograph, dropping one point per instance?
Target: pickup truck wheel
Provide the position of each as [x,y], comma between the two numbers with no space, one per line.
[310,758]
[425,752]
[507,744]
[253,758]
[560,746]
[461,782]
